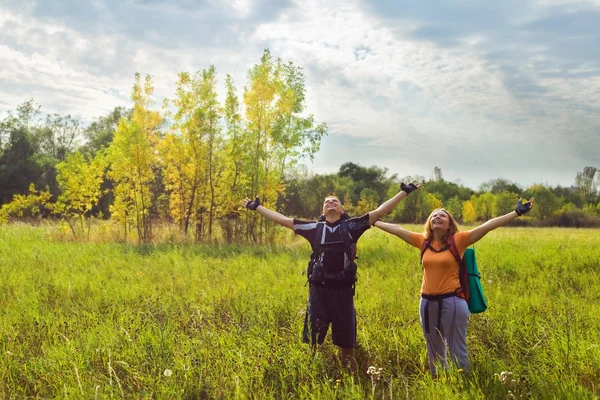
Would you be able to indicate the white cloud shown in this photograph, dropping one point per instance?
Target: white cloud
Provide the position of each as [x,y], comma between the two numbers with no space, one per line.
[378,80]
[242,7]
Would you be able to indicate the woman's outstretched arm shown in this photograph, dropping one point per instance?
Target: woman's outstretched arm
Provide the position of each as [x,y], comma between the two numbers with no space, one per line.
[483,229]
[394,230]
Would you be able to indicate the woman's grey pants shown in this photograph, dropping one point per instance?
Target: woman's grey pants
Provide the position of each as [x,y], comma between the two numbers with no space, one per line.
[451,333]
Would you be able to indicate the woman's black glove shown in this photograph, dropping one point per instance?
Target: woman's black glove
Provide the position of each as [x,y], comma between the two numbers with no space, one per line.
[522,208]
[252,205]
[411,187]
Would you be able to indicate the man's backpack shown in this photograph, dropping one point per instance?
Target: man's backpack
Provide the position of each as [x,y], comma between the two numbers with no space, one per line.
[470,280]
[316,271]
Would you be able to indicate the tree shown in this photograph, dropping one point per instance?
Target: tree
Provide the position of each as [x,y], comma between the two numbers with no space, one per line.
[545,201]
[176,174]
[447,190]
[454,207]
[429,203]
[505,202]
[568,195]
[369,200]
[590,210]
[484,206]
[235,155]
[415,208]
[80,184]
[584,181]
[275,100]
[193,157]
[60,136]
[349,208]
[32,205]
[373,178]
[132,155]
[18,166]
[212,115]
[21,161]
[99,134]
[499,185]
[27,113]
[469,215]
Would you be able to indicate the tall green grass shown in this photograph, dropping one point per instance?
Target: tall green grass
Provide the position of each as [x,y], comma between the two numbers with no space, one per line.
[104,320]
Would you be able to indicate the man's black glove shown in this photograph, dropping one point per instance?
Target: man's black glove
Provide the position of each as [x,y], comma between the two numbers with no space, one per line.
[522,208]
[411,187]
[252,205]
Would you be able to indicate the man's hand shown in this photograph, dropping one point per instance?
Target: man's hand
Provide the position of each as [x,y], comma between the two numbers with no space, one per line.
[522,208]
[411,187]
[251,204]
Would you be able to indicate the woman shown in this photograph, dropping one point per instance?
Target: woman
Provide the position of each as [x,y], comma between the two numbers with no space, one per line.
[444,311]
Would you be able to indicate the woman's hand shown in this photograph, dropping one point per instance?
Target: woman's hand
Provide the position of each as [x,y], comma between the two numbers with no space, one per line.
[522,208]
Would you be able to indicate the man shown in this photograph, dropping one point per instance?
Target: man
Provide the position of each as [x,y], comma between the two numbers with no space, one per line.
[332,271]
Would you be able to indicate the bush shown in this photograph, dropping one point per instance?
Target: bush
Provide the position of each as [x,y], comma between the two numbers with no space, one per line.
[572,218]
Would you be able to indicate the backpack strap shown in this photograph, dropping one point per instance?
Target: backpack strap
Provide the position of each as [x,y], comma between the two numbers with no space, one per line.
[454,250]
[318,240]
[425,246]
[462,270]
[349,252]
[316,248]
[345,233]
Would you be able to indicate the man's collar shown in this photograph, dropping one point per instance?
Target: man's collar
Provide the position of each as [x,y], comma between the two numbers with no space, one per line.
[334,223]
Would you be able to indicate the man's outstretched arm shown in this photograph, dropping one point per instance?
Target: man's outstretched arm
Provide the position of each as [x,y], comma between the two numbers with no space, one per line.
[389,205]
[268,214]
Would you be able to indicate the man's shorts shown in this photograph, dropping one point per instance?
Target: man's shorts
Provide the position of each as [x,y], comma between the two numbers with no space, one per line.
[333,306]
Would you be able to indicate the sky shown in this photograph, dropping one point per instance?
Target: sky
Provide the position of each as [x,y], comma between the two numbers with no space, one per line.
[481,89]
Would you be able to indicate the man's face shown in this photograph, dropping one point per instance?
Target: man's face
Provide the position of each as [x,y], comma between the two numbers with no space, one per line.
[332,205]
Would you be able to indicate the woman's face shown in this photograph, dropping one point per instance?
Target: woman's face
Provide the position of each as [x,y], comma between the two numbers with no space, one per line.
[439,221]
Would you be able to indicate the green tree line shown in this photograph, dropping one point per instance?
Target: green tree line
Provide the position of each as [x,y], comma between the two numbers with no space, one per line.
[363,188]
[191,161]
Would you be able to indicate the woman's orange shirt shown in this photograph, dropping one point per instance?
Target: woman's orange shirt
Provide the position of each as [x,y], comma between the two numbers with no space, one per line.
[440,270]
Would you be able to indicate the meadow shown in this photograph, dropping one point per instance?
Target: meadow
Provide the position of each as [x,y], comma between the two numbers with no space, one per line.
[108,320]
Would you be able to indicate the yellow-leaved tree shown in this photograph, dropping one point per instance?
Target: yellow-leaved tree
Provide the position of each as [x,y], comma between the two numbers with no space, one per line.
[132,156]
[28,206]
[278,133]
[79,181]
[469,215]
[236,177]
[192,154]
[485,204]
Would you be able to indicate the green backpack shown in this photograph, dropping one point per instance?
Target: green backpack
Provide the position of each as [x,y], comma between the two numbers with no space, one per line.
[476,298]
[470,280]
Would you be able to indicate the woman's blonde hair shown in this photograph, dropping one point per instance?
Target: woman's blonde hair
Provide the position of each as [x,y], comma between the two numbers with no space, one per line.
[452,229]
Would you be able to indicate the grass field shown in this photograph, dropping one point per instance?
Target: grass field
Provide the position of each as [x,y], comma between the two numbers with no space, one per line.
[105,320]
